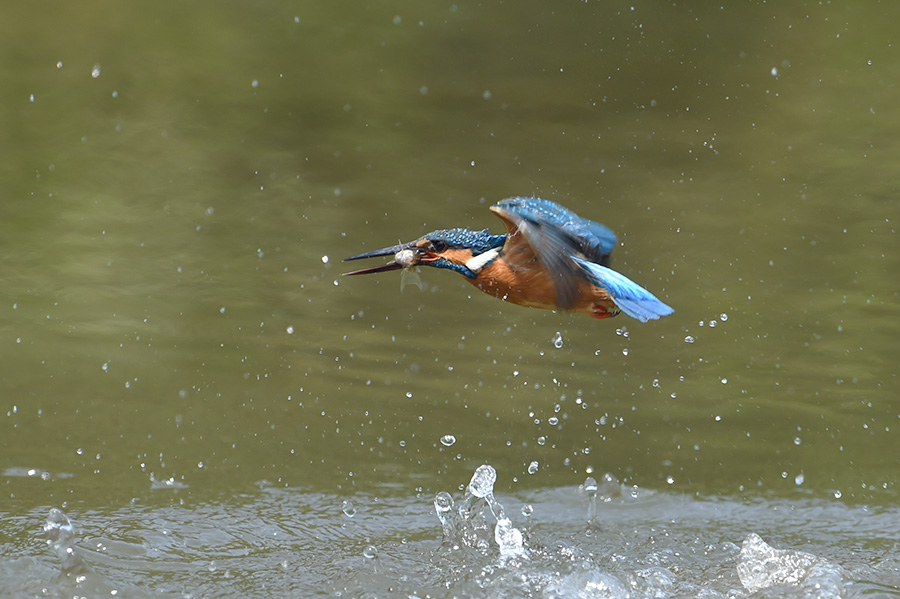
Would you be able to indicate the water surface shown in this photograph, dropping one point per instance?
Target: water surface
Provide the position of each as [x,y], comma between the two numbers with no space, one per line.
[181,354]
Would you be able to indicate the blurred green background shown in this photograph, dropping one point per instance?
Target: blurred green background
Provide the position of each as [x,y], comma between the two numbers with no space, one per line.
[180,182]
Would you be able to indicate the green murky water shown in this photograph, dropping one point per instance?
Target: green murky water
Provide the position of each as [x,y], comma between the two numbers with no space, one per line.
[180,183]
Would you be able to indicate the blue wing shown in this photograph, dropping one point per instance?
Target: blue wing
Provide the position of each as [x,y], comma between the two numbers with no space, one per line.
[592,239]
[631,298]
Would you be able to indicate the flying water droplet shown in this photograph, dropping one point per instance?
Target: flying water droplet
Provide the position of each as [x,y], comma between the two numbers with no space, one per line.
[348,509]
[689,339]
[533,467]
[557,340]
[448,440]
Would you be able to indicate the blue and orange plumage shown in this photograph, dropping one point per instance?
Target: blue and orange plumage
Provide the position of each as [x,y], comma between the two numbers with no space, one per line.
[549,258]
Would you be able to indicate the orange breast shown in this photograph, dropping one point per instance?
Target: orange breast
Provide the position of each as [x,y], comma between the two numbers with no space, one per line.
[533,286]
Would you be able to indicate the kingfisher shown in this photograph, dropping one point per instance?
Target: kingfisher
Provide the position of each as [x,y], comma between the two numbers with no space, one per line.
[549,258]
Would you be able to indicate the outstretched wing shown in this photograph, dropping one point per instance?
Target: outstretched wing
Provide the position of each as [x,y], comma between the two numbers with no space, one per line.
[530,240]
[540,230]
[590,239]
[631,298]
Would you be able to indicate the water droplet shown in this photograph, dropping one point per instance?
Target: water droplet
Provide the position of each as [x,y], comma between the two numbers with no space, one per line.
[796,440]
[723,317]
[689,339]
[553,421]
[482,483]
[558,340]
[837,494]
[724,380]
[590,485]
[624,351]
[656,383]
[95,72]
[542,440]
[798,480]
[533,467]
[370,552]
[670,479]
[348,509]
[527,510]
[324,259]
[448,440]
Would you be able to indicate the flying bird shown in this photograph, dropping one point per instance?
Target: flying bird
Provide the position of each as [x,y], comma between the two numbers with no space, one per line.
[549,258]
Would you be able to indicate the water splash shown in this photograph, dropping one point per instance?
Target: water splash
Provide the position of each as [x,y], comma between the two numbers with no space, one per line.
[60,535]
[604,491]
[467,526]
[443,506]
[166,483]
[590,487]
[482,483]
[509,539]
[762,566]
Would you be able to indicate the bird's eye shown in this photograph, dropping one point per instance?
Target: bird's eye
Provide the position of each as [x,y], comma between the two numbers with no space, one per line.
[438,245]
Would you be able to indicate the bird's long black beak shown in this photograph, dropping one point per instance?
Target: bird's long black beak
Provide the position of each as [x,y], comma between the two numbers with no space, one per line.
[390,251]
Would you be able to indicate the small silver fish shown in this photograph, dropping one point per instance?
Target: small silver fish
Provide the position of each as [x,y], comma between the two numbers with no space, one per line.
[406,258]
[410,275]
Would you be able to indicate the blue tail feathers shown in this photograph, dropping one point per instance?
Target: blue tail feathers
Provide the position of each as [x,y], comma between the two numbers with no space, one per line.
[631,298]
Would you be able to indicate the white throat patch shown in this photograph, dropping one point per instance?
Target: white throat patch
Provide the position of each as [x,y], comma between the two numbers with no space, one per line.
[476,263]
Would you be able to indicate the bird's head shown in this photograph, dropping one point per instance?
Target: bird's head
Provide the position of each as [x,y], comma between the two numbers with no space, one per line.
[461,250]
